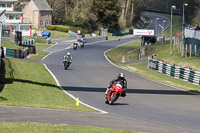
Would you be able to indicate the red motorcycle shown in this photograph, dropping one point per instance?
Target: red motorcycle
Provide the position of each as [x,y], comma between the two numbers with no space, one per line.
[114,92]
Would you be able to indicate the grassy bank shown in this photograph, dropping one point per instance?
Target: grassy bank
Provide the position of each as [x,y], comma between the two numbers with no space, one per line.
[29,84]
[29,127]
[40,52]
[124,53]
[142,69]
[56,34]
[162,52]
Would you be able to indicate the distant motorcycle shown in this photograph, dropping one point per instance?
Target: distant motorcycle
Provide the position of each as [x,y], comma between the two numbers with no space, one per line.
[75,45]
[114,92]
[66,63]
[81,42]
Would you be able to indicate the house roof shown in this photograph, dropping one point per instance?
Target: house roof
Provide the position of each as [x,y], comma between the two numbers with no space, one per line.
[42,5]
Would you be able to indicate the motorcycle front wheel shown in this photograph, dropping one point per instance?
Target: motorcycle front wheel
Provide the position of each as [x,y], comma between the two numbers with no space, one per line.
[75,46]
[112,98]
[66,66]
[82,45]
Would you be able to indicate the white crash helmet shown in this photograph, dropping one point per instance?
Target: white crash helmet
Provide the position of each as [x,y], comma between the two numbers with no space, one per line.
[121,76]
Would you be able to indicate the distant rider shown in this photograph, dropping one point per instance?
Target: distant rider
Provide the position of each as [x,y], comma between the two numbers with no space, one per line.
[67,56]
[121,77]
[119,38]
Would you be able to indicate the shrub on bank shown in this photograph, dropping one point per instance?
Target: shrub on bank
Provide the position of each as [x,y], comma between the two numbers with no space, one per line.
[62,28]
[65,28]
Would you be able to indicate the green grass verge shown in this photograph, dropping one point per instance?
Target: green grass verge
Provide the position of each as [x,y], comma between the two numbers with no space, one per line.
[40,53]
[57,34]
[124,53]
[163,53]
[142,69]
[12,46]
[29,84]
[30,127]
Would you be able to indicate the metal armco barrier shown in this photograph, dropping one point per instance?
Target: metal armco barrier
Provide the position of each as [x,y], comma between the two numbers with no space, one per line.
[185,74]
[16,53]
[10,52]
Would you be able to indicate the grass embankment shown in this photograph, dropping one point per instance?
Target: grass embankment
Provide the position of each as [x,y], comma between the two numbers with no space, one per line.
[40,52]
[50,128]
[124,53]
[162,53]
[40,45]
[54,33]
[29,84]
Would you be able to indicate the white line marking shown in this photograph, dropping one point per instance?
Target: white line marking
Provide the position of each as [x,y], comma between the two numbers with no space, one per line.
[58,84]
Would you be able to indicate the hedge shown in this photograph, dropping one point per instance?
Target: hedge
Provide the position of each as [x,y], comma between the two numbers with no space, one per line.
[65,28]
[58,28]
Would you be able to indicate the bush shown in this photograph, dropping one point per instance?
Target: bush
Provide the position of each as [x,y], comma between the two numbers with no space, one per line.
[62,28]
[58,28]
[51,27]
[65,28]
[74,24]
[75,29]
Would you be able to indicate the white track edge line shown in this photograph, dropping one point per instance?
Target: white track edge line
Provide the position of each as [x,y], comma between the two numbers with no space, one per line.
[58,84]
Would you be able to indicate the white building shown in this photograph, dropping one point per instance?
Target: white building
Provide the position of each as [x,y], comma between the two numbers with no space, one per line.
[14,19]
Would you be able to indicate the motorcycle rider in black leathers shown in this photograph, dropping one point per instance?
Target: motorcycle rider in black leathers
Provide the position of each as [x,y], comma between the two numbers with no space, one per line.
[121,77]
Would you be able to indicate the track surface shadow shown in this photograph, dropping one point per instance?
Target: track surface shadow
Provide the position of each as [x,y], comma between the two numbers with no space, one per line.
[136,91]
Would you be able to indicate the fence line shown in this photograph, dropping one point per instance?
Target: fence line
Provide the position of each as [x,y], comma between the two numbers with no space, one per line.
[177,72]
[18,53]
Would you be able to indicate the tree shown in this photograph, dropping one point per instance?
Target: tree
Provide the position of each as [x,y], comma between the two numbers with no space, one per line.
[107,12]
[58,10]
[79,11]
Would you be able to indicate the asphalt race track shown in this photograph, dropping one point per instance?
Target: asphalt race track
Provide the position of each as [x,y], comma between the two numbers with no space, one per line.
[149,106]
